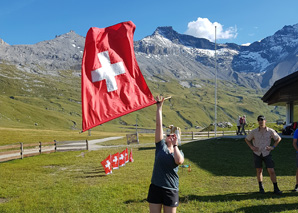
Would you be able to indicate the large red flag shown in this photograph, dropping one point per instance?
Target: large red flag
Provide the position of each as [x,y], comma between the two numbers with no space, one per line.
[112,83]
[107,165]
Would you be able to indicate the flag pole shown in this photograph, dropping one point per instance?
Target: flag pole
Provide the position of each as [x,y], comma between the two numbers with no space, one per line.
[215,92]
[168,97]
[165,98]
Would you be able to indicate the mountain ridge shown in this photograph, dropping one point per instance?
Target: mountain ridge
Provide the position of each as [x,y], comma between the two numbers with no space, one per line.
[171,54]
[40,83]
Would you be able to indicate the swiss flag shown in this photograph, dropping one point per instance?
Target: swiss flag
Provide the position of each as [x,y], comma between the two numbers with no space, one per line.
[115,160]
[112,83]
[130,156]
[122,158]
[107,165]
[126,155]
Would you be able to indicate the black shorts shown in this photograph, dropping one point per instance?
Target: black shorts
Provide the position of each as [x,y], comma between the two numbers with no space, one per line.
[163,196]
[267,159]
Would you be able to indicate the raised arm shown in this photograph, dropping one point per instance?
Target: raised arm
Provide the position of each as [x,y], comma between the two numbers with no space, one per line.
[159,129]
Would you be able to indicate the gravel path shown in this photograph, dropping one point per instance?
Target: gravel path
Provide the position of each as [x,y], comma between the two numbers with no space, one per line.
[93,145]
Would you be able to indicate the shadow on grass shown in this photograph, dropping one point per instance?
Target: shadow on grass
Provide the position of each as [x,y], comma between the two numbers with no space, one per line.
[135,201]
[236,196]
[96,173]
[232,157]
[267,208]
[146,148]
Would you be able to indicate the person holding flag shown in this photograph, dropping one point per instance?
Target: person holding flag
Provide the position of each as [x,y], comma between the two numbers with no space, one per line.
[164,187]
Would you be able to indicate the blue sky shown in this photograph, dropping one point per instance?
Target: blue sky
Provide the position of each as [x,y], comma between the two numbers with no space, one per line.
[237,21]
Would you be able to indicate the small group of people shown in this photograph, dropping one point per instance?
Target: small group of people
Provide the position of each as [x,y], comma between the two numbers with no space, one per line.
[164,187]
[241,122]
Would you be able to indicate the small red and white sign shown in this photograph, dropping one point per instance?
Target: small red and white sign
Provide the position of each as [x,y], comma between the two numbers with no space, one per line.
[115,161]
[107,165]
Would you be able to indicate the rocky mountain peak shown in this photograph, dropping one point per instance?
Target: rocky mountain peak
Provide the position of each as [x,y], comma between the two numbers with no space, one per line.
[3,42]
[167,32]
[186,40]
[70,35]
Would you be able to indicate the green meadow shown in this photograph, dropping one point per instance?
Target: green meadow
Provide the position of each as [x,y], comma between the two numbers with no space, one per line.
[34,100]
[222,179]
[37,107]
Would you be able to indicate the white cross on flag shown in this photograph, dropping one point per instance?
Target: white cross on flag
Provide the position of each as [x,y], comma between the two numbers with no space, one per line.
[115,160]
[122,158]
[112,83]
[106,163]
[126,156]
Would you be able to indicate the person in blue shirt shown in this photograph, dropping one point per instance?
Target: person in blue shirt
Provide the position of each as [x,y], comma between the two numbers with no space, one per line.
[295,144]
[164,187]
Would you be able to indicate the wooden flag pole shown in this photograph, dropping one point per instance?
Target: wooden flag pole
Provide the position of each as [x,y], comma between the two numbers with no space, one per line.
[165,99]
[168,97]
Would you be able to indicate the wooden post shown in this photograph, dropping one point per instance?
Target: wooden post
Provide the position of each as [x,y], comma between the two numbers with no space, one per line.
[208,134]
[55,145]
[192,136]
[22,150]
[223,133]
[138,138]
[39,147]
[87,145]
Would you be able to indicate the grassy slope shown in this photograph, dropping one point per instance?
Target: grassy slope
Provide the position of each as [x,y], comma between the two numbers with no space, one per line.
[222,180]
[36,101]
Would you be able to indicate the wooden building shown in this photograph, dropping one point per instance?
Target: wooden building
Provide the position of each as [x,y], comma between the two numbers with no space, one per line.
[284,92]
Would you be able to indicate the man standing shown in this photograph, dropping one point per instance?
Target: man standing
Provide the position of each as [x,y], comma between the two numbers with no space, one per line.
[295,144]
[243,123]
[238,125]
[259,141]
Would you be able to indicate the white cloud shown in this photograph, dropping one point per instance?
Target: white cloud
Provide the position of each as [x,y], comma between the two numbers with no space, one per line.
[203,28]
[247,44]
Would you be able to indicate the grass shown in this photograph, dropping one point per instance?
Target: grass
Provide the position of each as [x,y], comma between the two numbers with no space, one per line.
[43,101]
[222,179]
[15,135]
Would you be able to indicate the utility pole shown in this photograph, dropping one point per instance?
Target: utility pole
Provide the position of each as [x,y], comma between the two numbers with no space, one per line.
[215,93]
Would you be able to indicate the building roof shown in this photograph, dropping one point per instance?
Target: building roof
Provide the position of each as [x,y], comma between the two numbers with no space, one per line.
[283,91]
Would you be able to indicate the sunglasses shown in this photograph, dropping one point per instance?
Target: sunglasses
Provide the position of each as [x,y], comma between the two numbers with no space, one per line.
[260,119]
[168,135]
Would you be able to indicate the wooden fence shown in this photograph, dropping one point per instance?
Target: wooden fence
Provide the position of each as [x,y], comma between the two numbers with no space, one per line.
[185,136]
[21,150]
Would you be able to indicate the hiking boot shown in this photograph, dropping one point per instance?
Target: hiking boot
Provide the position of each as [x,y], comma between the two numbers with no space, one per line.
[277,192]
[262,191]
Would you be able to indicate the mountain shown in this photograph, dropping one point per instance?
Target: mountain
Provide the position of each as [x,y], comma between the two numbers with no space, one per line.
[258,65]
[273,57]
[63,52]
[40,83]
[168,54]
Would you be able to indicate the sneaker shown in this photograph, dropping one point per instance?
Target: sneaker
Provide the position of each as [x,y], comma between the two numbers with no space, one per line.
[277,192]
[262,191]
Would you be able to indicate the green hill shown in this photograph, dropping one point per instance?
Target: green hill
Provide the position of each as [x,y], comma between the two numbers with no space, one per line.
[52,100]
